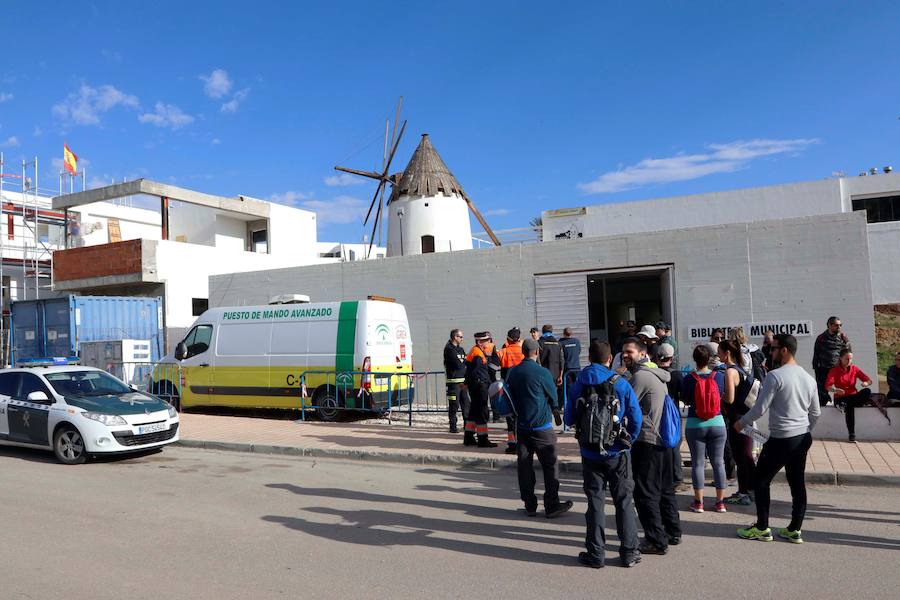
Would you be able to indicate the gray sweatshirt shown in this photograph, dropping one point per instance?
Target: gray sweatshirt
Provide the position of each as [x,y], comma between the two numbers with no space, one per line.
[790,396]
[649,385]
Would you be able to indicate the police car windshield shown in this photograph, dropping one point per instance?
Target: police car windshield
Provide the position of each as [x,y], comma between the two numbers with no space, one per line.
[86,383]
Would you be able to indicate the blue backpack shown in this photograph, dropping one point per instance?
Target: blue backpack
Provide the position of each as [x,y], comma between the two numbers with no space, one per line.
[670,424]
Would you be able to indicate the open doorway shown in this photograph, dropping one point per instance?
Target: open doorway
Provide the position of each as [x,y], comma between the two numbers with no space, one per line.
[643,296]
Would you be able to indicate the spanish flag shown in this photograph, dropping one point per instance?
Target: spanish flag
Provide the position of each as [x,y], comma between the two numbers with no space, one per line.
[70,160]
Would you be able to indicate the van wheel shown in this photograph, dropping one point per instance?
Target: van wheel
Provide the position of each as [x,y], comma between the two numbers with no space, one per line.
[327,404]
[166,390]
[68,446]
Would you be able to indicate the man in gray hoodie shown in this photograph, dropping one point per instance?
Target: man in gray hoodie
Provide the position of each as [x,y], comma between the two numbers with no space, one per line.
[654,482]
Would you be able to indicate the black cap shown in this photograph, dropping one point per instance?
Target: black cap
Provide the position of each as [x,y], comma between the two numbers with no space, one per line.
[514,334]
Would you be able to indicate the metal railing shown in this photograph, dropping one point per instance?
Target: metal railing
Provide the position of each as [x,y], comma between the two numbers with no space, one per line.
[371,391]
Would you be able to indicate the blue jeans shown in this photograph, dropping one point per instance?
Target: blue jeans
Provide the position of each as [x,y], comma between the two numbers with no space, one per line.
[703,442]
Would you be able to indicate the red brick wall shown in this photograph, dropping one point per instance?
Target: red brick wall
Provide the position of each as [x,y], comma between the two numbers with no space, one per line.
[118,258]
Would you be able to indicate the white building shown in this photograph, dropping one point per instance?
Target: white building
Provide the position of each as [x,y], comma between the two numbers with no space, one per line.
[878,194]
[120,243]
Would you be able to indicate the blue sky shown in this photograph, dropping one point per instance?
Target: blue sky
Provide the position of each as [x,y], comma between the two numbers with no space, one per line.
[532,105]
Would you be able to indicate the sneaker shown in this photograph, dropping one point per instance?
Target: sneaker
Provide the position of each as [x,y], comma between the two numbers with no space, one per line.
[560,509]
[511,450]
[631,560]
[852,439]
[486,443]
[531,512]
[590,561]
[752,533]
[697,506]
[648,548]
[793,537]
[674,540]
[720,507]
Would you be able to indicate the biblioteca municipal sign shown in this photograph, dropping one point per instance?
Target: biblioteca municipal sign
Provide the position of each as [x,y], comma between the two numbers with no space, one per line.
[701,333]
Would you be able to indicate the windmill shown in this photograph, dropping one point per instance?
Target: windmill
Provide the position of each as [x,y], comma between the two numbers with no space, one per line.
[382,177]
[426,176]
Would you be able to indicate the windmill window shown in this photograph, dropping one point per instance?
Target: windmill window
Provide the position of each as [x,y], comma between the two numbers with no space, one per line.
[427,244]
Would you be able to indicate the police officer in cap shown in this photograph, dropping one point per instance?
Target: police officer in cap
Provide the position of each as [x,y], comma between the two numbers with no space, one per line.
[482,368]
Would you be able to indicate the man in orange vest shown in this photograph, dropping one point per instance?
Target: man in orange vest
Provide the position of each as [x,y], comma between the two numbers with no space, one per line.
[510,356]
[482,368]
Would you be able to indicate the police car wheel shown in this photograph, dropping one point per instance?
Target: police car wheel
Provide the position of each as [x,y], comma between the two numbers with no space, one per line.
[68,446]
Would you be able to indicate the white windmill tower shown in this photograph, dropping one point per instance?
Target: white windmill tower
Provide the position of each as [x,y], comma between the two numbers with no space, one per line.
[428,210]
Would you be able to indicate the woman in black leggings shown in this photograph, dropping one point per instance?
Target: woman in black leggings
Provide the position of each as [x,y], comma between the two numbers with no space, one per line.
[842,380]
[733,400]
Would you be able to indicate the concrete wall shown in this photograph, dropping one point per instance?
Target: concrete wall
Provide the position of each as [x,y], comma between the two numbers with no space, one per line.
[231,234]
[884,253]
[738,273]
[134,223]
[717,208]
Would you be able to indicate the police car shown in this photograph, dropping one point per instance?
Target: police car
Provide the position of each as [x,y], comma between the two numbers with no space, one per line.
[80,411]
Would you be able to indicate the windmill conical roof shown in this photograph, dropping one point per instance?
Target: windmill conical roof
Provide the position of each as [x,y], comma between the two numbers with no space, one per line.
[427,174]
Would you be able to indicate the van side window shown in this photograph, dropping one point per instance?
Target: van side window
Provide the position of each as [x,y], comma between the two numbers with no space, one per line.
[197,341]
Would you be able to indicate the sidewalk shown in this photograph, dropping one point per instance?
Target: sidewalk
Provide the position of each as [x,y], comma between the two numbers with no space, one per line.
[865,463]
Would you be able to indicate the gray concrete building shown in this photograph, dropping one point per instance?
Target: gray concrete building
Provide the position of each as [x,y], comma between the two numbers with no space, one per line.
[790,273]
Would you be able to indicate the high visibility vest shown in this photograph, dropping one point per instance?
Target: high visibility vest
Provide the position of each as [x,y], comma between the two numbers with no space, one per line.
[511,355]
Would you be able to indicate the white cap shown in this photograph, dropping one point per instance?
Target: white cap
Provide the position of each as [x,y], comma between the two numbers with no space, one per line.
[648,331]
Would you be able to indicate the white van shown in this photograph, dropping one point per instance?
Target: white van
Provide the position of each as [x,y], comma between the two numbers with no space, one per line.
[257,357]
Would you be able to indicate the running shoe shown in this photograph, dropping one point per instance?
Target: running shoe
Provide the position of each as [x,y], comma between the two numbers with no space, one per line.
[720,506]
[697,506]
[752,533]
[794,537]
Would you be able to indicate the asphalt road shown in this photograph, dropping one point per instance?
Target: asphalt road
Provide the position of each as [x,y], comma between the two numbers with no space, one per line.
[198,524]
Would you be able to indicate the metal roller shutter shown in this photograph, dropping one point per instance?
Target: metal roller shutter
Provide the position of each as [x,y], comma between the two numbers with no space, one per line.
[562,301]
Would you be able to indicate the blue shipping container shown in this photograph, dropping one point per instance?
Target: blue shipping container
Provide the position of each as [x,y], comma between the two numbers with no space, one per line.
[56,327]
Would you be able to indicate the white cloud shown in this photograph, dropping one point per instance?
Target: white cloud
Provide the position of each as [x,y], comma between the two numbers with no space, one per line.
[217,84]
[232,105]
[84,106]
[719,158]
[38,132]
[291,198]
[10,142]
[497,212]
[216,141]
[340,210]
[167,115]
[6,96]
[343,179]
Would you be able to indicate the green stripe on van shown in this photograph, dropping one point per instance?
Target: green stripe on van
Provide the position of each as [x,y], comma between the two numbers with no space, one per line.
[346,337]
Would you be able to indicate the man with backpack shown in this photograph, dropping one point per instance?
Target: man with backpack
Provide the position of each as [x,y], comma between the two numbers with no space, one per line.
[532,389]
[654,482]
[605,412]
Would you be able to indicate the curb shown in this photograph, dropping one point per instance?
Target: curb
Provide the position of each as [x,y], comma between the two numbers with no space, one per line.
[495,462]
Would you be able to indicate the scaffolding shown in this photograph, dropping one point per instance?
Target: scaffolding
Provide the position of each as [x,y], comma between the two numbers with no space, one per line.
[27,240]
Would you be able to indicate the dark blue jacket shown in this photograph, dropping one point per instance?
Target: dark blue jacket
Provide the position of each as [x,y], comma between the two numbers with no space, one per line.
[571,353]
[531,389]
[629,407]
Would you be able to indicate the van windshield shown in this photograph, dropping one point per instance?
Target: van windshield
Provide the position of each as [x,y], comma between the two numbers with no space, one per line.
[86,383]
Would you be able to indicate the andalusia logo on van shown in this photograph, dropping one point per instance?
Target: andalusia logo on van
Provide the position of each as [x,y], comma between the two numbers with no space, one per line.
[382,334]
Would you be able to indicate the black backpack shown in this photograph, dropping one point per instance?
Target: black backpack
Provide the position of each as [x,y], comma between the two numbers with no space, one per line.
[596,415]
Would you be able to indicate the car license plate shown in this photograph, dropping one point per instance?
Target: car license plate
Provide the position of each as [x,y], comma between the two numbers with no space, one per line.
[151,428]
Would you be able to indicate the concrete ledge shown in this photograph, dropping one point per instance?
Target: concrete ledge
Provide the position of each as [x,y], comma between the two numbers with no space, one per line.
[496,462]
